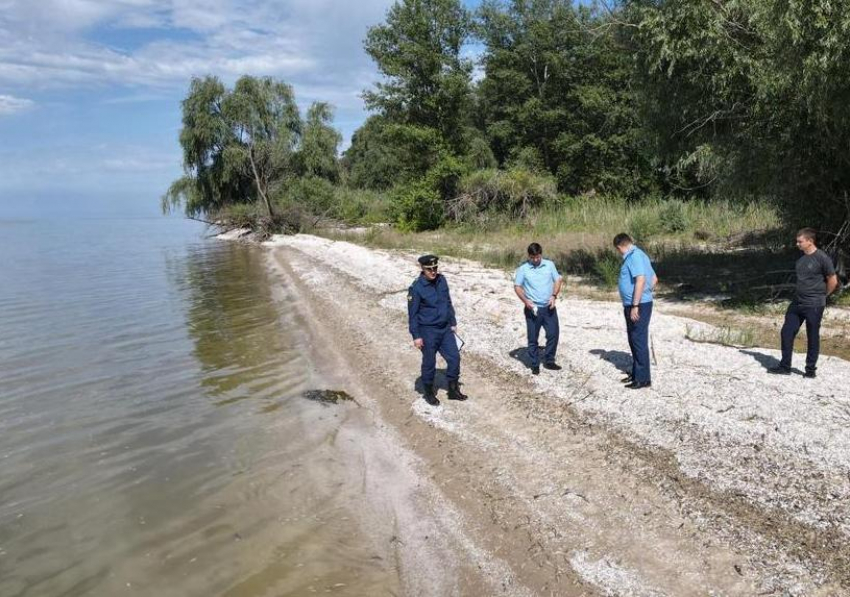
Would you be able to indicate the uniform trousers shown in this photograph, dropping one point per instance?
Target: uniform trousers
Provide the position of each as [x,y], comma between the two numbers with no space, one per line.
[439,339]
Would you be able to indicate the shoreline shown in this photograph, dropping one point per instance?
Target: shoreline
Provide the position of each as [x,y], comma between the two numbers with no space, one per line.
[726,480]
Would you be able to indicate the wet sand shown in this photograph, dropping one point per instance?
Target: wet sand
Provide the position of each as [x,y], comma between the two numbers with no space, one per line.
[718,480]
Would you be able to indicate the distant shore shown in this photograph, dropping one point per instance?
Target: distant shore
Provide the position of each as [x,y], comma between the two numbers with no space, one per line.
[720,478]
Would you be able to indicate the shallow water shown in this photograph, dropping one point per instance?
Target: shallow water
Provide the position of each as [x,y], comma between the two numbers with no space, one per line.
[154,432]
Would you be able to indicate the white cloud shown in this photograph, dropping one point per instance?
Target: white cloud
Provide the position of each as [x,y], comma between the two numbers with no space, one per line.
[59,44]
[69,53]
[12,105]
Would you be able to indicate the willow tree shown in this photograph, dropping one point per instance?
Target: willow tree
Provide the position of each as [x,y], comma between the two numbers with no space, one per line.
[237,145]
[750,96]
[317,155]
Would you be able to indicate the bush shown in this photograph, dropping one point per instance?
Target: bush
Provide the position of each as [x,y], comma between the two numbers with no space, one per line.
[240,215]
[417,206]
[480,156]
[673,217]
[607,268]
[644,224]
[445,175]
[528,158]
[362,206]
[514,192]
[314,195]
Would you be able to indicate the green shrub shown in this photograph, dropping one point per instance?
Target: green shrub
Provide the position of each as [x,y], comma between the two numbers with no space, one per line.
[445,175]
[240,215]
[644,224]
[480,156]
[358,206]
[417,206]
[514,192]
[311,194]
[607,268]
[673,217]
[528,158]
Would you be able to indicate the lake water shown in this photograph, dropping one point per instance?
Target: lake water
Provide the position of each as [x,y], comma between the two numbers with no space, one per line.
[154,433]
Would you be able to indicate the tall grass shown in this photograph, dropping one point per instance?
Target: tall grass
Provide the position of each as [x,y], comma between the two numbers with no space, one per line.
[686,241]
[656,218]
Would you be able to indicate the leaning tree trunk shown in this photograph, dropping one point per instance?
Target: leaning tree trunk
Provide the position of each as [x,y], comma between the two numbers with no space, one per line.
[260,184]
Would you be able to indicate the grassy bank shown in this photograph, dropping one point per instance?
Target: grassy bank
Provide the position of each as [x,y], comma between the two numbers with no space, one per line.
[738,251]
[726,264]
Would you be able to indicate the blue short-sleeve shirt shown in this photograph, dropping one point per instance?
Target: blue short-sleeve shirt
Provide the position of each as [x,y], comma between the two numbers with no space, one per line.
[538,282]
[635,263]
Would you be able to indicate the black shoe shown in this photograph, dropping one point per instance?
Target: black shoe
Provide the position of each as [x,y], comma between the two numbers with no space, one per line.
[627,379]
[455,393]
[810,373]
[552,366]
[430,396]
[639,385]
[535,370]
[779,370]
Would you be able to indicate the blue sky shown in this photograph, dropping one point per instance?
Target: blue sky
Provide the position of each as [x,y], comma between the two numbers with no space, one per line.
[90,90]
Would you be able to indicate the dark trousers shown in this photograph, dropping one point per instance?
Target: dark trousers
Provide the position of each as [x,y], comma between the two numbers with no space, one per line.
[794,318]
[442,340]
[548,320]
[638,334]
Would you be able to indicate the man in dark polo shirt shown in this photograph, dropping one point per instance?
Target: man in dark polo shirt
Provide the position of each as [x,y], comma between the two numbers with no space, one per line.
[816,280]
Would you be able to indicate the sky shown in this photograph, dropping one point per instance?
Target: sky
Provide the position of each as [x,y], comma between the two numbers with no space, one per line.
[90,90]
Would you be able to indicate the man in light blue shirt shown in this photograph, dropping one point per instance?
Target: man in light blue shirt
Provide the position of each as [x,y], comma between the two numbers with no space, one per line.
[537,284]
[637,279]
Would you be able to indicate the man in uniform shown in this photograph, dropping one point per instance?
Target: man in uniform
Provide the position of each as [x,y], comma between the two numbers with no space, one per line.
[816,280]
[537,284]
[432,323]
[637,279]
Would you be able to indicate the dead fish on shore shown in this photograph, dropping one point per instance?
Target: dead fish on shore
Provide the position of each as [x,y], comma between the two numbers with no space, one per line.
[328,397]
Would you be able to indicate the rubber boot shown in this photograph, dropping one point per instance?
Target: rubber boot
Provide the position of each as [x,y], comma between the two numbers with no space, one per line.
[455,393]
[430,396]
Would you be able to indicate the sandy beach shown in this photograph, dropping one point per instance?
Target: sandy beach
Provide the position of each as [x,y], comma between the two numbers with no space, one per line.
[720,480]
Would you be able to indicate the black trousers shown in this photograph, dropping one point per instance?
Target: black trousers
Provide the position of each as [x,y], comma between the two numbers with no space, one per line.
[794,318]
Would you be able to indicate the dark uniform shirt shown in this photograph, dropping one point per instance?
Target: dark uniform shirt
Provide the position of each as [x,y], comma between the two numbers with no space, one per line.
[812,272]
[429,304]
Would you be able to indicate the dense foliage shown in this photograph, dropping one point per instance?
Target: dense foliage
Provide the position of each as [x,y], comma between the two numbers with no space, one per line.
[520,103]
[247,147]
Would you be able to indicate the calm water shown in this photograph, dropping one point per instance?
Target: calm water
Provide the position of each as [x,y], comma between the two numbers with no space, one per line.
[154,438]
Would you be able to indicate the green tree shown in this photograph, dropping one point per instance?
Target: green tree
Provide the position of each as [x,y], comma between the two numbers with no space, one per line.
[418,50]
[238,145]
[317,155]
[264,117]
[750,96]
[556,94]
[209,181]
[370,161]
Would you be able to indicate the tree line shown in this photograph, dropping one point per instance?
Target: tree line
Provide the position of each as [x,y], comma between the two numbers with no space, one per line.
[521,103]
